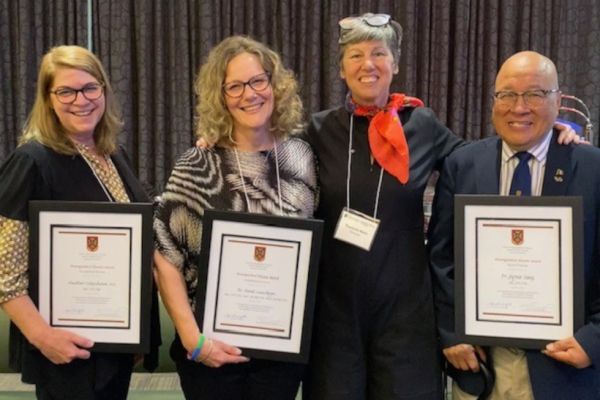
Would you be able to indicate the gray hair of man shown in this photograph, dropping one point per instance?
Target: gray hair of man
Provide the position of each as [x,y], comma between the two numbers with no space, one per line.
[367,27]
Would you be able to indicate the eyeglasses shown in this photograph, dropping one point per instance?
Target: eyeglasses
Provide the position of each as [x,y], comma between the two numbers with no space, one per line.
[258,83]
[68,95]
[532,98]
[374,20]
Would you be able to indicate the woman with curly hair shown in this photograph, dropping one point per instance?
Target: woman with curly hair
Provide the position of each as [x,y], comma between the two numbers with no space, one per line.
[249,108]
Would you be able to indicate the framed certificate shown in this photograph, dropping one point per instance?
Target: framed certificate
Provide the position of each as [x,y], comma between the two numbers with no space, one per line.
[257,282]
[519,269]
[91,270]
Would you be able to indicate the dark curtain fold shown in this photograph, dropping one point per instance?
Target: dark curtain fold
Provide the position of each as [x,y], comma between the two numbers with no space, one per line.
[147,48]
[152,49]
[29,28]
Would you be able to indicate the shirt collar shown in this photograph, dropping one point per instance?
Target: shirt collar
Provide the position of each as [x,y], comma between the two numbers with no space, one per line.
[539,151]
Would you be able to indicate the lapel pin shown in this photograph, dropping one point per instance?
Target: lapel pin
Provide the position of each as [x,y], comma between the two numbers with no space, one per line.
[558,175]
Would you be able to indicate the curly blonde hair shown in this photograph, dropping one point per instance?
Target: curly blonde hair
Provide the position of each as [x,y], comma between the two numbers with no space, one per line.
[214,122]
[44,126]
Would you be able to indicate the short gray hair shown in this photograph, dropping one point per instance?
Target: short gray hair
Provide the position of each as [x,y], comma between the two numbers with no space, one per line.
[357,29]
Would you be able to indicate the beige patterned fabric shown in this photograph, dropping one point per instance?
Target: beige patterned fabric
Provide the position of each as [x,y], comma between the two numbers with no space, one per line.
[14,247]
[109,176]
[512,377]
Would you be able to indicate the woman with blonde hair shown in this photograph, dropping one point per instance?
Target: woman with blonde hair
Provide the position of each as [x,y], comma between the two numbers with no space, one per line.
[68,152]
[249,110]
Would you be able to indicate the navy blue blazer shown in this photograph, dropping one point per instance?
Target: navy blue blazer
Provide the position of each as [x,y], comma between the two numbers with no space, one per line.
[475,169]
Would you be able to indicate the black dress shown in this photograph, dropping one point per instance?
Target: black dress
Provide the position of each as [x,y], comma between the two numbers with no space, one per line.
[36,172]
[375,335]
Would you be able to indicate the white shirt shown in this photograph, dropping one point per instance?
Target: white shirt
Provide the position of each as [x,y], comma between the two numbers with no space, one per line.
[537,166]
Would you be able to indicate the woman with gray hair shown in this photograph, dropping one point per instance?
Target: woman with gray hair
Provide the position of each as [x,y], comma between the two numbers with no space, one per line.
[375,335]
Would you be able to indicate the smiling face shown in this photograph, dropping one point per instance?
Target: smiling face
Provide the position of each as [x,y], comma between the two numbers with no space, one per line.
[522,126]
[251,112]
[368,68]
[79,118]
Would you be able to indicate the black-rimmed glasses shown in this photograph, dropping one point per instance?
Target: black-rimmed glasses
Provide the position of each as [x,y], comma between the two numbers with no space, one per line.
[258,83]
[68,95]
[532,98]
[374,20]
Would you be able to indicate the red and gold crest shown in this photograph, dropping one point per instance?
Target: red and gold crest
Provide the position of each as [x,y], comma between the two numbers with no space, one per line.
[92,243]
[259,253]
[517,237]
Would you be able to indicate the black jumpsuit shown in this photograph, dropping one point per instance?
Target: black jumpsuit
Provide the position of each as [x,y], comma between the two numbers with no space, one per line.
[375,335]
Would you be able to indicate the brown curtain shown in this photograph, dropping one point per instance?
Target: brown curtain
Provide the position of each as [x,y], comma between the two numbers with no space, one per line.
[28,28]
[450,54]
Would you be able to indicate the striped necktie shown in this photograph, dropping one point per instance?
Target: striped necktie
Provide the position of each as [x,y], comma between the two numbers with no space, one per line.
[521,180]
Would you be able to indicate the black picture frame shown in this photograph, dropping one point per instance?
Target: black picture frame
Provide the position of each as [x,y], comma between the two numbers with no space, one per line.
[566,213]
[134,222]
[211,270]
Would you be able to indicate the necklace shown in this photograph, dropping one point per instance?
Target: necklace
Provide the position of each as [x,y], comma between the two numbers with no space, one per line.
[85,153]
[237,158]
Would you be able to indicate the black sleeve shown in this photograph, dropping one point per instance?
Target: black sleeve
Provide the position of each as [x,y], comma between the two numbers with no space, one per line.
[445,143]
[19,180]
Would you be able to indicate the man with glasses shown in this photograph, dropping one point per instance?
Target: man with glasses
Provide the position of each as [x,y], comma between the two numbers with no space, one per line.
[525,159]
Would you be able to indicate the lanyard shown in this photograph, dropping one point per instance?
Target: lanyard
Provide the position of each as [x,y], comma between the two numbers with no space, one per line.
[237,158]
[350,172]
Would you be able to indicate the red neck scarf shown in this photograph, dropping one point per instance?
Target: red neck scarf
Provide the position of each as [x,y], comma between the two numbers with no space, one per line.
[386,135]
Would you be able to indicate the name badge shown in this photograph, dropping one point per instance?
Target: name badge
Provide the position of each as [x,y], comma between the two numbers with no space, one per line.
[356,228]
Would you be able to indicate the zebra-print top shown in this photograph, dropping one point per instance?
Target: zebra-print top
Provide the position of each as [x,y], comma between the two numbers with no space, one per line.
[210,179]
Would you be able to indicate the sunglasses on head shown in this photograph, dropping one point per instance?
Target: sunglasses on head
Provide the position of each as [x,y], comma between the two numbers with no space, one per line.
[374,20]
